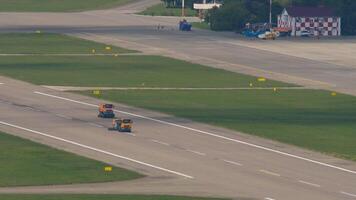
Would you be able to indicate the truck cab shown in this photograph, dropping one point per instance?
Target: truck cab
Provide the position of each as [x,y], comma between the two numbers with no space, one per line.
[106,111]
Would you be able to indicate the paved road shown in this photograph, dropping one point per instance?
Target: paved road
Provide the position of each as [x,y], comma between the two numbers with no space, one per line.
[179,156]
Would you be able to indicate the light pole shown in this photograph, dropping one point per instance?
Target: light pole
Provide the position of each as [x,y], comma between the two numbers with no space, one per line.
[270,13]
[183,10]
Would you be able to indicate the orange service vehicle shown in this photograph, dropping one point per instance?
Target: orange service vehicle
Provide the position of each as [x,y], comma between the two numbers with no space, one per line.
[106,111]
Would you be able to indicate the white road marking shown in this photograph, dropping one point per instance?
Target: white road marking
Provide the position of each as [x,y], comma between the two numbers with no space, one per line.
[308,183]
[210,134]
[96,125]
[97,150]
[196,152]
[64,116]
[1,83]
[159,142]
[269,173]
[268,198]
[348,194]
[232,162]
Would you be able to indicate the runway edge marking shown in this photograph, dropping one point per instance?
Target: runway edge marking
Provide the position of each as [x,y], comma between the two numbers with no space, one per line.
[210,134]
[97,150]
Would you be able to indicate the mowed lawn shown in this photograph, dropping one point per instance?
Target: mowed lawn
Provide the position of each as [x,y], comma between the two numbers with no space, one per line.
[121,71]
[312,119]
[25,163]
[47,43]
[57,5]
[100,197]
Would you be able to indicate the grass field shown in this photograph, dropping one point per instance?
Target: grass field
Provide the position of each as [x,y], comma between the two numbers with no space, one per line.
[307,118]
[99,197]
[47,43]
[121,71]
[161,10]
[57,5]
[25,163]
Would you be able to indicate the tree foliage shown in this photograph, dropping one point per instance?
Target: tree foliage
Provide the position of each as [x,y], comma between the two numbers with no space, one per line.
[234,14]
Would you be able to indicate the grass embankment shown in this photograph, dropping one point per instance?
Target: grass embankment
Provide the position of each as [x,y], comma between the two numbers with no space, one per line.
[101,197]
[162,10]
[25,163]
[47,43]
[57,5]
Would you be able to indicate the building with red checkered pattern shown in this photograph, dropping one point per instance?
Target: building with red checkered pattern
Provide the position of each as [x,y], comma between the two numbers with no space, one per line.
[316,21]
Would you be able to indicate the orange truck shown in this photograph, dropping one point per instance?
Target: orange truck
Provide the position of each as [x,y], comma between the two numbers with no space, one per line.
[122,125]
[106,111]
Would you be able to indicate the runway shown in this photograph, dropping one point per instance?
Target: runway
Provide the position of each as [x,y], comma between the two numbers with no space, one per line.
[178,156]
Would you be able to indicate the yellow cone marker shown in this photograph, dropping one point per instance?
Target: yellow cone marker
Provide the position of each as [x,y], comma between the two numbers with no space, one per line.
[108,169]
[333,94]
[96,92]
[261,79]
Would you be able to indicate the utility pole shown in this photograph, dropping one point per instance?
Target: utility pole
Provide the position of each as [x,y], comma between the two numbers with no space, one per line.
[183,8]
[270,13]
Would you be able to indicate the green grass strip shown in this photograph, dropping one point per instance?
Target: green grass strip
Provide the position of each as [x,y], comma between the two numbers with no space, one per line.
[25,163]
[57,5]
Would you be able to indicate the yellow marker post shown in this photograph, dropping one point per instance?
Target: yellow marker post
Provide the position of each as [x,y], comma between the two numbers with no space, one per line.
[108,48]
[261,79]
[96,92]
[108,169]
[251,84]
[116,55]
[275,89]
[93,50]
[333,94]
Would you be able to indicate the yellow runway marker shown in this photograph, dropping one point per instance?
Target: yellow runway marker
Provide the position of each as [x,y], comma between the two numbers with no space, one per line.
[96,92]
[108,169]
[107,48]
[261,79]
[333,94]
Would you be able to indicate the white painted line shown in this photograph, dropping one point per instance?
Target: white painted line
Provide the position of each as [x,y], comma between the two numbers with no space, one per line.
[348,194]
[64,116]
[269,173]
[159,142]
[196,152]
[308,183]
[232,162]
[96,125]
[268,198]
[1,83]
[211,134]
[97,150]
